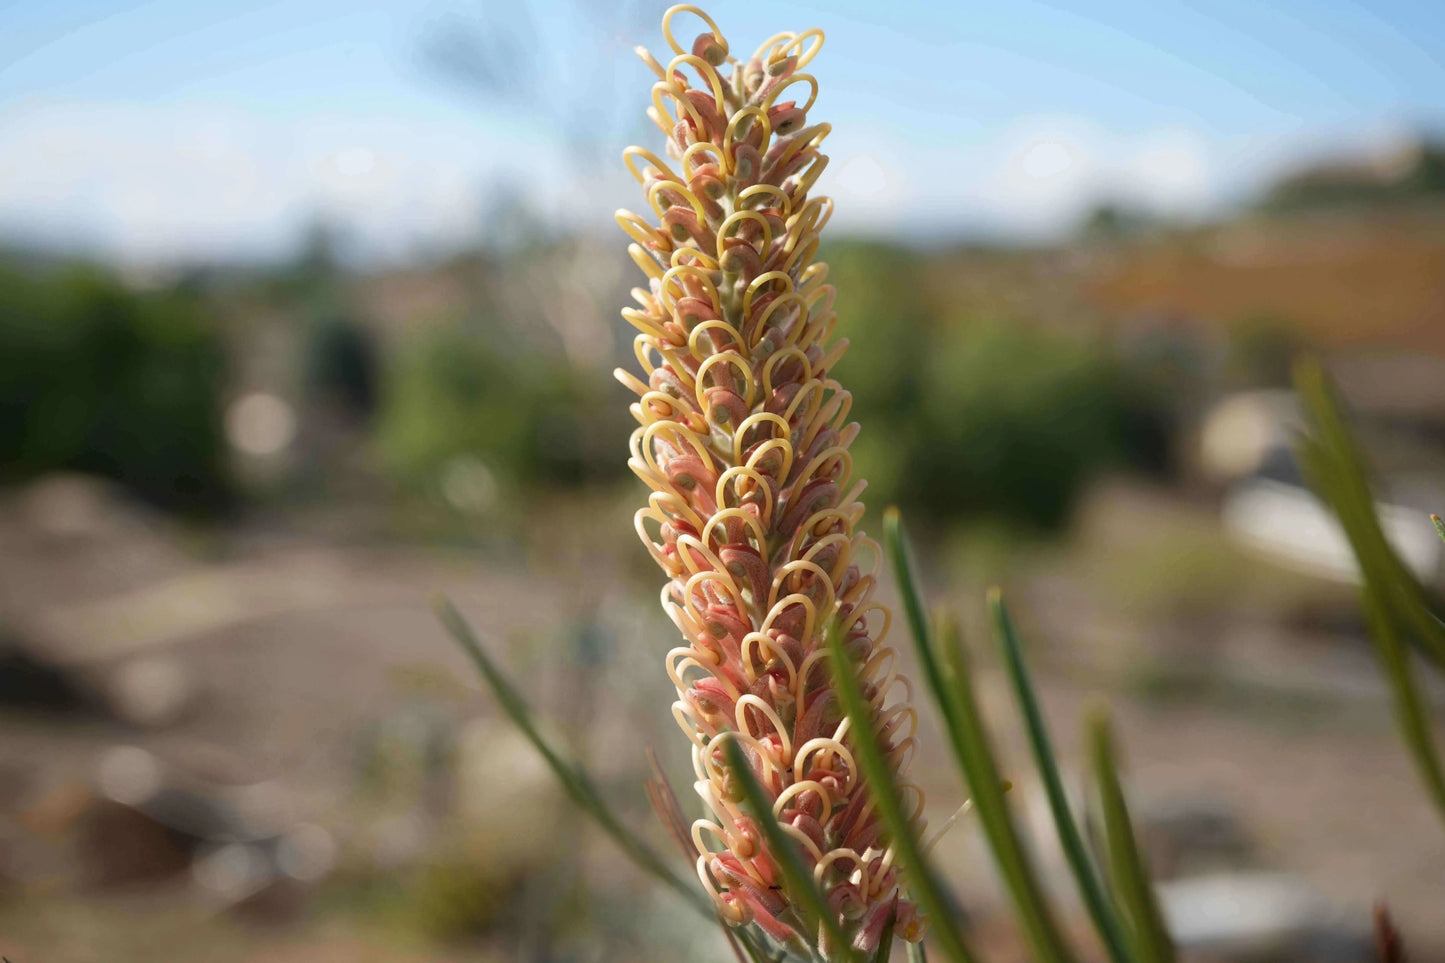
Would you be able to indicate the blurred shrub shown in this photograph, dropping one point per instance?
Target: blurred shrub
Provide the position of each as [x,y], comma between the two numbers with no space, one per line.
[1260,352]
[342,368]
[1414,171]
[456,396]
[980,419]
[97,378]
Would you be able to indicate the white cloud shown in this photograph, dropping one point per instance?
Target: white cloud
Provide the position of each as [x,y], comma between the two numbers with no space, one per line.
[1052,169]
[158,183]
[872,191]
[1035,179]
[161,182]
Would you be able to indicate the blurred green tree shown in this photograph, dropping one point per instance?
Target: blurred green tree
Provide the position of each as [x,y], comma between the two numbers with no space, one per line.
[456,393]
[977,417]
[95,377]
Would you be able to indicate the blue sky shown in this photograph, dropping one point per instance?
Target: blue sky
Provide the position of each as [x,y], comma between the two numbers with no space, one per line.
[222,129]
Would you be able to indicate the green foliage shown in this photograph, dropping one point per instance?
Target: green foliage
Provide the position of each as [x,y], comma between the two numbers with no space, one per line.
[342,366]
[1260,352]
[1396,605]
[951,685]
[935,901]
[805,894]
[98,378]
[1105,921]
[947,672]
[973,416]
[1416,173]
[574,779]
[1133,892]
[452,393]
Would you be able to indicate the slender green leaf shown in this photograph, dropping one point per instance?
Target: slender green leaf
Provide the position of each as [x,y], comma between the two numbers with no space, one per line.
[885,941]
[575,780]
[1411,714]
[1336,468]
[801,888]
[1132,886]
[976,759]
[1439,525]
[895,543]
[1393,598]
[1110,930]
[973,753]
[923,883]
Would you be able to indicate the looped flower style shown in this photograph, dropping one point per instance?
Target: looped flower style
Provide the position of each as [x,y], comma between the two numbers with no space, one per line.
[743,438]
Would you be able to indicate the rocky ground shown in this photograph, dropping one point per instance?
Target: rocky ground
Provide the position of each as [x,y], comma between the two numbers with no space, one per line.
[259,745]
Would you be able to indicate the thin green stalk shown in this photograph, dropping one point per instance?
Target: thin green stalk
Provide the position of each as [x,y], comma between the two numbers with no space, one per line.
[802,889]
[1106,922]
[972,752]
[1439,525]
[1132,886]
[917,953]
[885,941]
[923,883]
[1411,714]
[895,545]
[1338,473]
[975,758]
[1393,599]
[575,780]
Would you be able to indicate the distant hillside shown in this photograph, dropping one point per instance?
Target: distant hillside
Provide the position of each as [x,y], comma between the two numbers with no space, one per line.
[1406,173]
[1346,276]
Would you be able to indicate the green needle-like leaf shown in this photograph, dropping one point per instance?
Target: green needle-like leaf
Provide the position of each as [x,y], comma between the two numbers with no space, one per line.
[923,883]
[1395,602]
[1336,469]
[1411,714]
[976,759]
[1439,525]
[1132,887]
[885,941]
[575,780]
[802,890]
[1111,932]
[971,749]
[895,545]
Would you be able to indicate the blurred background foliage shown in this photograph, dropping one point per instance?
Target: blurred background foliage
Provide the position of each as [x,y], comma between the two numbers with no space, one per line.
[461,391]
[98,377]
[230,480]
[974,413]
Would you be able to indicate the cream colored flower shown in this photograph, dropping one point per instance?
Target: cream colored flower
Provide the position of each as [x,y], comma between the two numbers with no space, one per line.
[744,441]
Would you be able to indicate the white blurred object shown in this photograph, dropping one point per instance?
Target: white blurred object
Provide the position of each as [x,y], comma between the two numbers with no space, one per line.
[307,853]
[129,775]
[151,691]
[1239,914]
[468,485]
[1288,522]
[232,871]
[260,424]
[1242,431]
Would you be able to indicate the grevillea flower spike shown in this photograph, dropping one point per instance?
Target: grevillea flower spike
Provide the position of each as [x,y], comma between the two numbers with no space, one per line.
[754,514]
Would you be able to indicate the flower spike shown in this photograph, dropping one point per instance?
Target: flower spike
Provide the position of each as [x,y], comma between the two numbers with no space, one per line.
[743,438]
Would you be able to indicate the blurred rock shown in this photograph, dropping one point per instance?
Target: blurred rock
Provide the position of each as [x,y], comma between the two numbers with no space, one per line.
[1245,915]
[1192,835]
[123,846]
[29,681]
[151,691]
[506,790]
[67,505]
[151,821]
